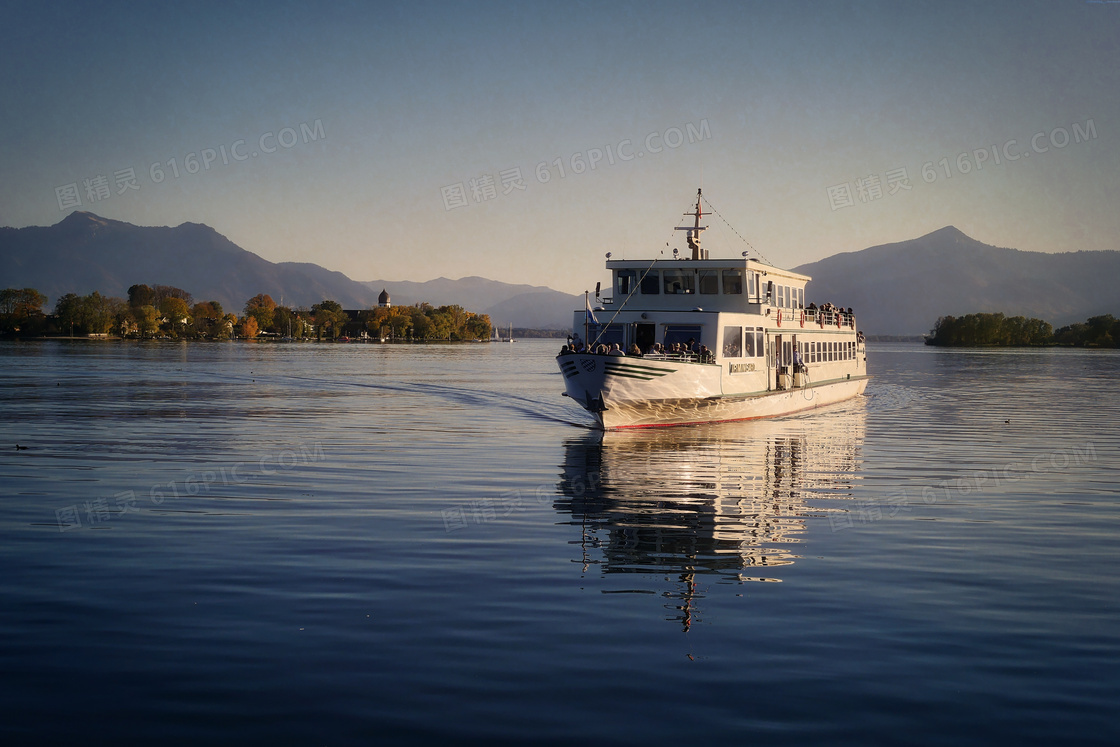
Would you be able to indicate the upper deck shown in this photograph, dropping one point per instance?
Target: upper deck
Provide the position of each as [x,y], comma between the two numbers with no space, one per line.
[702,284]
[743,285]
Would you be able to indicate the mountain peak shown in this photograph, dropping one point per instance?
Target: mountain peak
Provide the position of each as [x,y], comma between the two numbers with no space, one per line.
[83,218]
[949,232]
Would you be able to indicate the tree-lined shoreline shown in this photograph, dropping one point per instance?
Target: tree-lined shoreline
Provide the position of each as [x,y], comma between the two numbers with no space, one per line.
[997,330]
[167,312]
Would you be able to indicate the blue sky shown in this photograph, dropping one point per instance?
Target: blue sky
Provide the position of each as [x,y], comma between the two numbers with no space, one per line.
[408,141]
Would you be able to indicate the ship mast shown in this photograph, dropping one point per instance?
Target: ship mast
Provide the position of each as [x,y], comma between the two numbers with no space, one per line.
[695,229]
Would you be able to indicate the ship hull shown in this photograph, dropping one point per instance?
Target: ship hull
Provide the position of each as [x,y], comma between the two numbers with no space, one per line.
[624,392]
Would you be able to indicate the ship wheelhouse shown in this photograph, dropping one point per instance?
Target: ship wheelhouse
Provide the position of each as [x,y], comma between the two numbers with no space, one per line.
[674,301]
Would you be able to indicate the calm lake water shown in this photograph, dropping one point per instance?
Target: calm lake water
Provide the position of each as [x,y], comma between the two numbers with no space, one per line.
[363,544]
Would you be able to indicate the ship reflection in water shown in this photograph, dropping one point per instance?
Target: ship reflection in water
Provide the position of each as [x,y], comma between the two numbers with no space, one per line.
[727,501]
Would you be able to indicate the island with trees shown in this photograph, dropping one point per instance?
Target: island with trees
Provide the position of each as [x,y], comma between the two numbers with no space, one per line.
[980,330]
[167,312]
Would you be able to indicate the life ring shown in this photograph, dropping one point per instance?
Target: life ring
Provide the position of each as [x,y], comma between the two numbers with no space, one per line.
[803,317]
[779,317]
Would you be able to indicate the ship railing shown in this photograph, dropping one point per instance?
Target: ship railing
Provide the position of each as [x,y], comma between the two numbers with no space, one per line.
[826,318]
[673,357]
[680,357]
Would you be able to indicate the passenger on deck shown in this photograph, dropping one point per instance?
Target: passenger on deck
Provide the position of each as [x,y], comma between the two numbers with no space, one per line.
[634,350]
[706,355]
[616,350]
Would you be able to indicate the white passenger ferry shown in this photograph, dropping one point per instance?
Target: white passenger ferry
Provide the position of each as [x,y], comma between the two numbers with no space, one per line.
[699,340]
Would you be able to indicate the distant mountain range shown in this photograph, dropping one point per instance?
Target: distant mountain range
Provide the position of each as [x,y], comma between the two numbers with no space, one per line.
[901,289]
[895,289]
[85,253]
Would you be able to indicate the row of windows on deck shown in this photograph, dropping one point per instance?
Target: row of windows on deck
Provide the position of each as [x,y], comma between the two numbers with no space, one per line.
[825,351]
[748,343]
[710,283]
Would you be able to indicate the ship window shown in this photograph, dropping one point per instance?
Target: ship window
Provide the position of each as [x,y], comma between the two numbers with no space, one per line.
[800,298]
[682,333]
[677,281]
[752,282]
[650,283]
[625,283]
[709,282]
[781,295]
[748,346]
[611,334]
[758,349]
[732,282]
[732,342]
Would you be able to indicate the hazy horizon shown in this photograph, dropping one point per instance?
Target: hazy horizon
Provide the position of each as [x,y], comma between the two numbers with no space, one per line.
[411,142]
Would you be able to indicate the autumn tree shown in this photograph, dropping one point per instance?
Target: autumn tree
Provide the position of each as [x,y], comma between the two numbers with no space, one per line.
[206,318]
[21,310]
[176,314]
[141,295]
[248,327]
[163,292]
[147,321]
[329,319]
[262,308]
[425,322]
[92,314]
[284,321]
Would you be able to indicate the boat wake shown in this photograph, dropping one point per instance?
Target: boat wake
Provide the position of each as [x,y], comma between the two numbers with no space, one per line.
[481,398]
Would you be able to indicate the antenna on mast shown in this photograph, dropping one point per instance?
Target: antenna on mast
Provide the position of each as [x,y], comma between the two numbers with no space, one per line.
[695,229]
